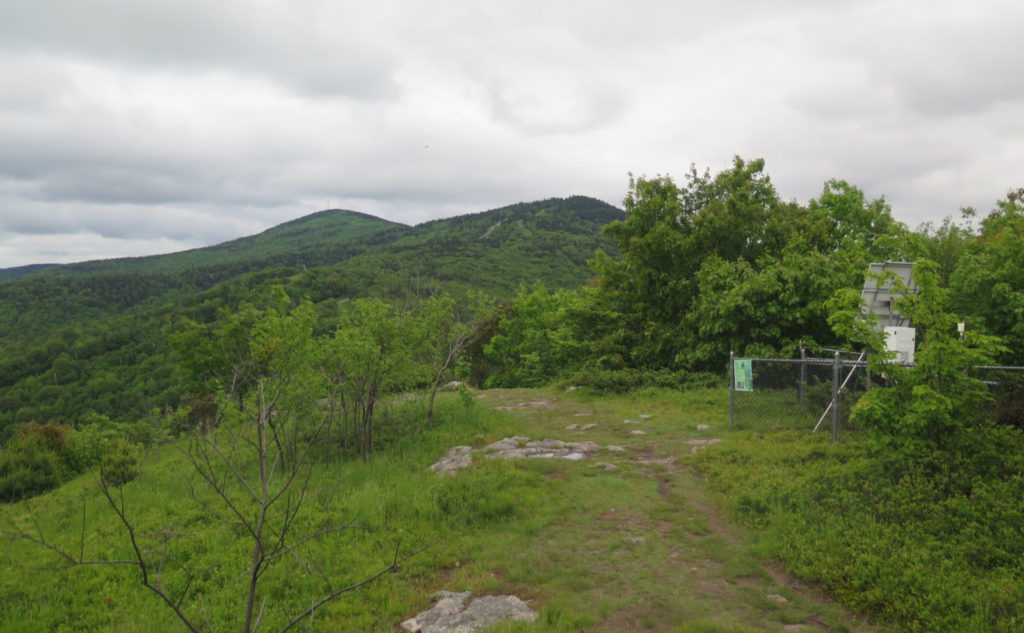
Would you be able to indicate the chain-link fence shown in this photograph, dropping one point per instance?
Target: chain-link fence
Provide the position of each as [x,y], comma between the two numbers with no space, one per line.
[818,393]
[795,394]
[1006,384]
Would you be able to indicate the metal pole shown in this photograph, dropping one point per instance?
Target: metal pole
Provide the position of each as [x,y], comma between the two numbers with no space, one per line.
[835,398]
[803,375]
[732,385]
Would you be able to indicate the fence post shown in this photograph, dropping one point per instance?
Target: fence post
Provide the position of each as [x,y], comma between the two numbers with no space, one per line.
[835,397]
[732,385]
[803,375]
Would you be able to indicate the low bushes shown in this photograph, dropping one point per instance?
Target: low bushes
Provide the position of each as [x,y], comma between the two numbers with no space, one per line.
[934,545]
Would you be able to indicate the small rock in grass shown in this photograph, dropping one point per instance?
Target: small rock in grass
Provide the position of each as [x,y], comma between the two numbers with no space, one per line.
[614,449]
[456,459]
[774,597]
[452,613]
[645,416]
[631,421]
[507,443]
[587,427]
[637,432]
[634,540]
[572,427]
[703,427]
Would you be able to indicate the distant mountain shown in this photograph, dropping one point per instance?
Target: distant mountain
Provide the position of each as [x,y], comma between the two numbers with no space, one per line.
[317,239]
[335,236]
[93,336]
[496,250]
[21,271]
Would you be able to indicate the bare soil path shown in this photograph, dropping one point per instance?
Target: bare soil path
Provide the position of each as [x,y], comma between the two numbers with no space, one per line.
[645,545]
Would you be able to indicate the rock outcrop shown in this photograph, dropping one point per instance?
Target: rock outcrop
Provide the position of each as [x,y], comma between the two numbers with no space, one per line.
[517,447]
[456,459]
[457,613]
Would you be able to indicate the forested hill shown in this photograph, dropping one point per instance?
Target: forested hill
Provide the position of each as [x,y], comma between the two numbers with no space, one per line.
[359,254]
[91,338]
[323,237]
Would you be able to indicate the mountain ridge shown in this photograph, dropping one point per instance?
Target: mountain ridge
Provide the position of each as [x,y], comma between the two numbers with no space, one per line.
[95,337]
[362,222]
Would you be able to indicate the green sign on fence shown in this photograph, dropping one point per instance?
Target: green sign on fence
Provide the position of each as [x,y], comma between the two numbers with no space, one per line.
[743,375]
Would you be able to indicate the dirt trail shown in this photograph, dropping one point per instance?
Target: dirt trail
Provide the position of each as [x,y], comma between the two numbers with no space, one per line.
[656,550]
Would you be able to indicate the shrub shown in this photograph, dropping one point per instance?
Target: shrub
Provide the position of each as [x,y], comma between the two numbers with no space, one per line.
[52,437]
[119,464]
[627,379]
[27,470]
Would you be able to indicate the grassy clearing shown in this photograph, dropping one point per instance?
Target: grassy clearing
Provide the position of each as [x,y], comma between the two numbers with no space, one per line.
[637,548]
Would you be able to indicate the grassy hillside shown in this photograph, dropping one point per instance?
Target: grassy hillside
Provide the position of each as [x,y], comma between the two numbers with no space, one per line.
[625,540]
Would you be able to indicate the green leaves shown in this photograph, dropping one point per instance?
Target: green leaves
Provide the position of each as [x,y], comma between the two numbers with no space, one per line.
[540,336]
[724,263]
[988,282]
[928,406]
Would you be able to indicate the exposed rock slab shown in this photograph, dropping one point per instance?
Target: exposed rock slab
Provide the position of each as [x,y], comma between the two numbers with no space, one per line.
[518,447]
[457,613]
[456,459]
[523,447]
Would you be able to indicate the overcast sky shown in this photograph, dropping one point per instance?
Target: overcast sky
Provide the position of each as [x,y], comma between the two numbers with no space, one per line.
[135,127]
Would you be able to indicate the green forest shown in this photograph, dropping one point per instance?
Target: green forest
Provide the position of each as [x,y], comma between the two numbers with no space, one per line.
[342,343]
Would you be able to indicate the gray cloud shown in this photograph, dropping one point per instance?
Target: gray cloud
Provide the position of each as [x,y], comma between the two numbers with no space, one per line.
[127,126]
[314,51]
[951,59]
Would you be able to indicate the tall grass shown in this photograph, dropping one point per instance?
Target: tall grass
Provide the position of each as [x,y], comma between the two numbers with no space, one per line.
[391,504]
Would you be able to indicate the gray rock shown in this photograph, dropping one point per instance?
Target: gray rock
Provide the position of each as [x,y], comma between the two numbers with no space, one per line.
[614,449]
[518,453]
[451,614]
[644,416]
[631,421]
[507,444]
[587,427]
[547,444]
[707,441]
[701,443]
[456,459]
[572,427]
[703,427]
[523,448]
